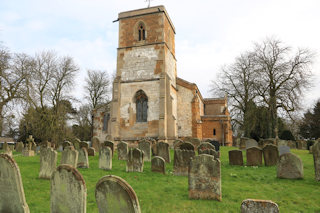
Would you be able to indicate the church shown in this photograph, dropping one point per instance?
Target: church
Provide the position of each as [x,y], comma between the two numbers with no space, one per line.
[148,99]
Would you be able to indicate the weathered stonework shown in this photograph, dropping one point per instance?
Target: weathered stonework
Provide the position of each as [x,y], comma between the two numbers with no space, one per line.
[69,156]
[105,158]
[289,167]
[145,146]
[181,161]
[270,155]
[235,157]
[259,206]
[158,164]
[254,156]
[12,197]
[135,161]
[83,161]
[163,151]
[122,148]
[113,194]
[48,162]
[205,178]
[316,159]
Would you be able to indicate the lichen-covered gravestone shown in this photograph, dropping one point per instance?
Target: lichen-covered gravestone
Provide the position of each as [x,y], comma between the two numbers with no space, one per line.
[270,155]
[254,156]
[95,143]
[181,161]
[163,151]
[66,143]
[91,151]
[48,162]
[113,194]
[205,178]
[69,156]
[145,146]
[83,160]
[158,164]
[12,197]
[289,167]
[205,146]
[19,147]
[83,144]
[68,191]
[109,144]
[316,159]
[235,157]
[186,146]
[135,161]
[259,206]
[122,148]
[105,158]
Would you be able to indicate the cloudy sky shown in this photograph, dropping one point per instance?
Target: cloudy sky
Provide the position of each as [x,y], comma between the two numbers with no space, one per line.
[210,33]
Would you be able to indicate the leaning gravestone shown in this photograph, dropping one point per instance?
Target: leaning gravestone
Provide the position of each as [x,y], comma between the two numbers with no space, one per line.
[105,158]
[135,160]
[254,156]
[91,151]
[69,156]
[158,164]
[19,147]
[259,206]
[181,161]
[68,190]
[113,194]
[316,159]
[145,146]
[12,197]
[205,178]
[270,155]
[83,161]
[95,143]
[48,162]
[290,167]
[251,143]
[109,144]
[122,148]
[163,151]
[235,157]
[283,150]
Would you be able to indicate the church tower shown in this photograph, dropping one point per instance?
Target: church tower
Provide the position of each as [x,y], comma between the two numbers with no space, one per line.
[144,102]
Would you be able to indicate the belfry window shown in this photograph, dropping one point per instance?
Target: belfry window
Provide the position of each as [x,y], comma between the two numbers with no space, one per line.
[141,106]
[142,33]
[214,131]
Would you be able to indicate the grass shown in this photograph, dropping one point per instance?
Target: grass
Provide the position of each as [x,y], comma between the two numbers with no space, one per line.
[168,193]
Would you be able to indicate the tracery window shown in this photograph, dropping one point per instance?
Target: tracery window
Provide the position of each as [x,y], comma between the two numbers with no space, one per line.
[141,106]
[142,32]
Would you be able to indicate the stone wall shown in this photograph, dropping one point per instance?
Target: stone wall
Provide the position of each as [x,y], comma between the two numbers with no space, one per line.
[184,112]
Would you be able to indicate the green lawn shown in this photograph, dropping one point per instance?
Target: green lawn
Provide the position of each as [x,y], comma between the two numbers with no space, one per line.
[168,193]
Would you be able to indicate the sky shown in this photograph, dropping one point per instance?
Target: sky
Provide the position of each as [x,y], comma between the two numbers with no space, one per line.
[209,33]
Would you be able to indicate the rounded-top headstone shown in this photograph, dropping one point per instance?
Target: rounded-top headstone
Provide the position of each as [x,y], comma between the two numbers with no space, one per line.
[235,157]
[113,194]
[259,206]
[12,197]
[270,155]
[186,146]
[158,164]
[290,167]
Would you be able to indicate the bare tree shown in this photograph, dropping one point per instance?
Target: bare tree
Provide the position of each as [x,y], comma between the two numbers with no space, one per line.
[283,76]
[97,90]
[237,82]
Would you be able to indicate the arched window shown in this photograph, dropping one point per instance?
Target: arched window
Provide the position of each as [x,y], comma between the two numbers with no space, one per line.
[141,106]
[214,131]
[142,32]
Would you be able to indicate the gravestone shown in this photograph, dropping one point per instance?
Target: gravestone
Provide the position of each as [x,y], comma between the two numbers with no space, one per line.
[254,156]
[60,148]
[65,144]
[69,156]
[7,149]
[122,148]
[95,143]
[194,141]
[283,150]
[163,151]
[76,143]
[68,191]
[251,143]
[109,144]
[19,147]
[181,161]
[216,145]
[27,151]
[235,157]
[205,178]
[186,146]
[259,206]
[105,158]
[48,162]
[264,142]
[316,159]
[243,142]
[135,160]
[158,164]
[211,152]
[282,143]
[91,151]
[113,194]
[83,160]
[12,197]
[270,155]
[289,167]
[177,143]
[145,146]
[205,146]
[83,144]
